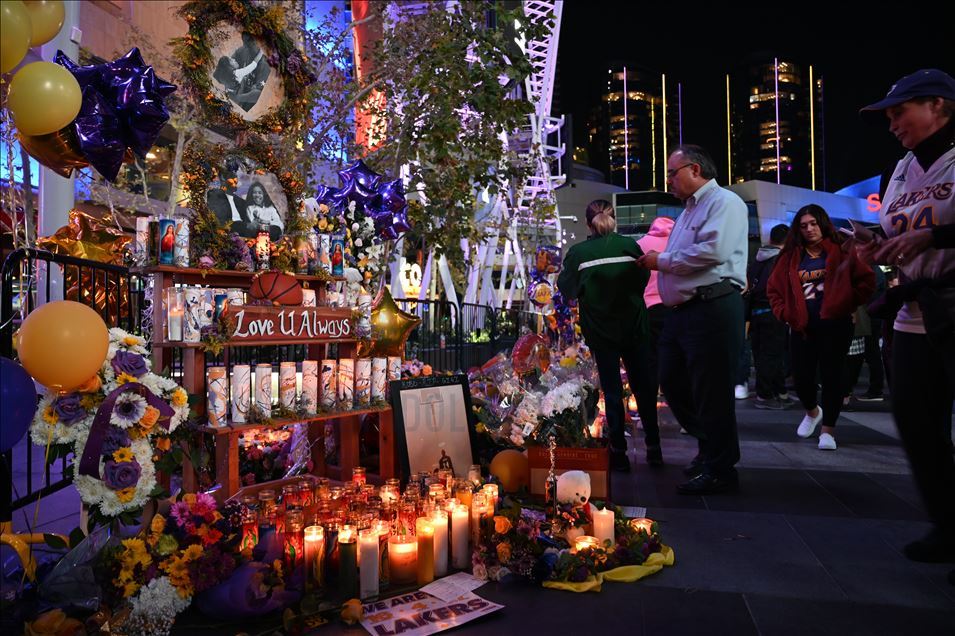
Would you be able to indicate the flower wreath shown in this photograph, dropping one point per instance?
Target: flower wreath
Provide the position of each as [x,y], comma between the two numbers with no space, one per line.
[123,476]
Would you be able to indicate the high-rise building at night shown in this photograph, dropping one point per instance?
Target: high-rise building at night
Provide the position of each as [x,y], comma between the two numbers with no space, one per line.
[636,122]
[775,124]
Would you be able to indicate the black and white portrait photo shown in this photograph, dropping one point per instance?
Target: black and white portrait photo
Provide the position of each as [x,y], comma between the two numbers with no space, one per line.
[241,74]
[248,198]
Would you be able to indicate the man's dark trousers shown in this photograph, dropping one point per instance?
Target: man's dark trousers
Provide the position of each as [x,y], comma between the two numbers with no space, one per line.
[699,353]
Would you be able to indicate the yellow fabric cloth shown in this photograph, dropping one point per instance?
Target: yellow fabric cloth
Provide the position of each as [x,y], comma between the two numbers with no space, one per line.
[624,574]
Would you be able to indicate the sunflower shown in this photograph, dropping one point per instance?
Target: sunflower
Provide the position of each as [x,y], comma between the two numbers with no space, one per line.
[125,378]
[126,494]
[124,454]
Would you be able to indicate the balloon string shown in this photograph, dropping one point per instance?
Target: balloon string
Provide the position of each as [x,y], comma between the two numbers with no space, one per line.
[36,509]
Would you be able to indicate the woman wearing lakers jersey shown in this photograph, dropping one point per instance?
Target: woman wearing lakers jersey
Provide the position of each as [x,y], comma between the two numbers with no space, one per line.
[918,216]
[815,287]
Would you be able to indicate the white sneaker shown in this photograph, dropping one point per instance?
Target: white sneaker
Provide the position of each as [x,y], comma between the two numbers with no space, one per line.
[809,424]
[827,442]
[742,392]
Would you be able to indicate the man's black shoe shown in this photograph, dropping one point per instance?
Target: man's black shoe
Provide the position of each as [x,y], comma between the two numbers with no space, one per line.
[694,468]
[655,455]
[935,547]
[619,462]
[704,484]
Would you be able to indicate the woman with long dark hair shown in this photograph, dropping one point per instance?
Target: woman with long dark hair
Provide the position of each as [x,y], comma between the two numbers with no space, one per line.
[815,287]
[602,274]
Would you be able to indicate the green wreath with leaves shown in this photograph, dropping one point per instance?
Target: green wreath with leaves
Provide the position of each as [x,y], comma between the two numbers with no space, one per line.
[201,161]
[267,22]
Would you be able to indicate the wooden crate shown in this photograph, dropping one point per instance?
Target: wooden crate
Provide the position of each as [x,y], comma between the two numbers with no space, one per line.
[594,461]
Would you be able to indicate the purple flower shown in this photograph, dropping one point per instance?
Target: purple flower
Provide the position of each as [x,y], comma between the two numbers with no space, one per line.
[69,409]
[119,475]
[130,363]
[206,262]
[116,438]
[579,574]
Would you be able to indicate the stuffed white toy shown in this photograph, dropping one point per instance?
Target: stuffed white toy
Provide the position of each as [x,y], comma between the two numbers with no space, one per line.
[573,487]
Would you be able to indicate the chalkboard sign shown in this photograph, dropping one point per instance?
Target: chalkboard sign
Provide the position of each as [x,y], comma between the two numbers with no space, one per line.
[433,424]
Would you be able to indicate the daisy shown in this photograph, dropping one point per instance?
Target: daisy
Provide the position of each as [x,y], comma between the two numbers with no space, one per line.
[129,409]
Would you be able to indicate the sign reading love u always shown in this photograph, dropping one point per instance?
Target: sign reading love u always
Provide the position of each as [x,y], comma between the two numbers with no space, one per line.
[285,323]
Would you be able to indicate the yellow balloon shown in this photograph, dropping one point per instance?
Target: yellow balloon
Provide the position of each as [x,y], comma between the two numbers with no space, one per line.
[512,469]
[14,34]
[63,344]
[46,19]
[44,97]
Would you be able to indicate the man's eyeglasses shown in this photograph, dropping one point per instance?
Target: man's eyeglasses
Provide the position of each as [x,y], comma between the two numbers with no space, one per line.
[672,173]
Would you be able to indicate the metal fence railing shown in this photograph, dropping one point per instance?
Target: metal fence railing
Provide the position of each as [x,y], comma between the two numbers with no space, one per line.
[29,278]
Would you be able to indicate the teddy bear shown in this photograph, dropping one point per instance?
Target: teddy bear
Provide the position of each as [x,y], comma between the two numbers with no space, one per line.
[573,487]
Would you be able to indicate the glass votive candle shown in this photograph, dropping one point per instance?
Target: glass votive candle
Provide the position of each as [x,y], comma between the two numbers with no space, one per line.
[175,313]
[425,535]
[491,491]
[348,561]
[368,565]
[463,490]
[359,475]
[294,541]
[586,542]
[250,530]
[290,497]
[474,474]
[314,557]
[642,523]
[403,559]
[303,493]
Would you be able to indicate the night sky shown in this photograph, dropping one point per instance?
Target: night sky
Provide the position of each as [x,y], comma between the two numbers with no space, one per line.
[858,58]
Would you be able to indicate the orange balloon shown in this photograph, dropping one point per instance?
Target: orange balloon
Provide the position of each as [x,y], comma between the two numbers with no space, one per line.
[512,470]
[59,151]
[63,344]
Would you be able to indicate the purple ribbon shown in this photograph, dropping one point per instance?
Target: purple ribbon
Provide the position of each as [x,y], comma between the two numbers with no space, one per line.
[89,464]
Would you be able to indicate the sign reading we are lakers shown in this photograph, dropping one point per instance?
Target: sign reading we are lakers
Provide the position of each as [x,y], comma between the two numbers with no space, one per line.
[285,323]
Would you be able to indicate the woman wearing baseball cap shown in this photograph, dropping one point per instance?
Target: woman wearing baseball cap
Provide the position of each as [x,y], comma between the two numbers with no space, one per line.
[918,216]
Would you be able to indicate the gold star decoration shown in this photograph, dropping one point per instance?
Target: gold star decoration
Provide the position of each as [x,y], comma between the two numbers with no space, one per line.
[390,327]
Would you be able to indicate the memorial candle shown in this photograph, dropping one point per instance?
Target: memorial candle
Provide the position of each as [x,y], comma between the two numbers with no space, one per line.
[241,392]
[402,558]
[379,378]
[250,531]
[363,381]
[479,509]
[383,528]
[175,309]
[217,404]
[368,567]
[287,383]
[459,537]
[586,543]
[346,383]
[491,492]
[642,523]
[425,535]
[348,561]
[439,519]
[314,555]
[603,526]
[263,388]
[294,541]
[329,383]
[310,386]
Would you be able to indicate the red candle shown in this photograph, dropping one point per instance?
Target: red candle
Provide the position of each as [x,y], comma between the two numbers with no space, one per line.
[294,540]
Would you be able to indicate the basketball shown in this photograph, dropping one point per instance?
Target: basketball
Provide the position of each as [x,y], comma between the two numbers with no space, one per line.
[277,288]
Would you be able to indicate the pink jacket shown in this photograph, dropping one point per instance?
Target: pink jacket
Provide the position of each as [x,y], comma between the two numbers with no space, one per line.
[656,240]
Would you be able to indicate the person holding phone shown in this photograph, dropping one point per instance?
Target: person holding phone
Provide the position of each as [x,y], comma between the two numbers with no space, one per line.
[918,217]
[815,287]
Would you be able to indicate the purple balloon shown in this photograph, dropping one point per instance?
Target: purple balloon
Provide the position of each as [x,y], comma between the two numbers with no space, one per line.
[99,131]
[353,190]
[365,176]
[389,225]
[18,396]
[122,106]
[393,195]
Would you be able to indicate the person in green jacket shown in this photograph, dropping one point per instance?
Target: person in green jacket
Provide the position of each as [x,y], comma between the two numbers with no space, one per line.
[602,274]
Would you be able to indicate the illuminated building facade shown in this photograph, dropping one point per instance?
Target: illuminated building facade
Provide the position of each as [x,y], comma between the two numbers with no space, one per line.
[775,124]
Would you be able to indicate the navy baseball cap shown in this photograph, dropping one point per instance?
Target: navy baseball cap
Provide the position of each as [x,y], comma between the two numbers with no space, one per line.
[927,82]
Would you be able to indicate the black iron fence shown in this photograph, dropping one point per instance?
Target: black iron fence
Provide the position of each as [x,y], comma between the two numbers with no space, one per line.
[28,279]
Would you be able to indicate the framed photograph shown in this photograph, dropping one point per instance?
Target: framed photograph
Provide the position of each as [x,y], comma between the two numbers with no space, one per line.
[242,66]
[244,194]
[241,74]
[433,427]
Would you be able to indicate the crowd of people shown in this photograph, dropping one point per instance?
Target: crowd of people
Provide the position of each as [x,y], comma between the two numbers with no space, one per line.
[675,308]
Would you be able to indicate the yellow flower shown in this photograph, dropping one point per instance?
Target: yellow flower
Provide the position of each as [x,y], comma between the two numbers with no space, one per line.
[132,341]
[322,224]
[125,378]
[149,418]
[158,524]
[50,416]
[189,498]
[135,553]
[130,588]
[126,494]
[89,402]
[192,553]
[501,524]
[504,552]
[180,397]
[124,454]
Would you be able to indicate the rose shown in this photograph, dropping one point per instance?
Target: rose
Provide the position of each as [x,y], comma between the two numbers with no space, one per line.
[480,572]
[129,363]
[501,524]
[69,408]
[504,552]
[119,476]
